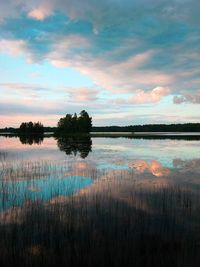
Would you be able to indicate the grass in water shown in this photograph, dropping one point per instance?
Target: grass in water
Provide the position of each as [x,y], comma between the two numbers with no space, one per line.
[115,220]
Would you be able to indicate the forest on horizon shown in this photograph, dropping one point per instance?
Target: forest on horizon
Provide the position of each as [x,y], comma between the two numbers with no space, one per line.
[180,127]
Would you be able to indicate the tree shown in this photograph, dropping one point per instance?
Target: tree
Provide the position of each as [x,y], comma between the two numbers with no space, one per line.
[27,128]
[65,124]
[85,122]
[75,124]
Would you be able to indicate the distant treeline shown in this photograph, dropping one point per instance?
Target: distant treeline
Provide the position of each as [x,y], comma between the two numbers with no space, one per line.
[185,127]
[26,128]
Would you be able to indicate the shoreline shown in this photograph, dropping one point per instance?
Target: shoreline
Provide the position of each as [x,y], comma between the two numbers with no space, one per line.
[134,135]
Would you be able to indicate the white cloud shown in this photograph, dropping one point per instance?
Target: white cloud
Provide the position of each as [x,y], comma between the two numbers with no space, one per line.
[153,96]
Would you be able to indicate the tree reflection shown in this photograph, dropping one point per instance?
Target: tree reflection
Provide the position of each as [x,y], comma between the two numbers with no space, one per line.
[31,139]
[73,145]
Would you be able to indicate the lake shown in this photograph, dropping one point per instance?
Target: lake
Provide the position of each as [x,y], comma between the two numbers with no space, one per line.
[135,192]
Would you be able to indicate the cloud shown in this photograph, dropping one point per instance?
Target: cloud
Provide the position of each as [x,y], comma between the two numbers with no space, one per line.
[120,45]
[192,166]
[120,76]
[103,12]
[23,88]
[187,98]
[153,167]
[27,92]
[41,12]
[141,97]
[20,106]
[38,14]
[12,47]
[116,76]
[82,95]
[152,96]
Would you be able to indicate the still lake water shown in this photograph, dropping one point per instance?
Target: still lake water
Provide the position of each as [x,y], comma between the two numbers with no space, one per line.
[74,200]
[48,168]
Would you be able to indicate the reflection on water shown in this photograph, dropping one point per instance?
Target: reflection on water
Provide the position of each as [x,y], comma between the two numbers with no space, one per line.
[30,140]
[40,189]
[133,200]
[153,167]
[151,162]
[74,145]
[70,145]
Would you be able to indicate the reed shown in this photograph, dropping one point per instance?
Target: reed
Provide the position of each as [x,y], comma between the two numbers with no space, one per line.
[114,221]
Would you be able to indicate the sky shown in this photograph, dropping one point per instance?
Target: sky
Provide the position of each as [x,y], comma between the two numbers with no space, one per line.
[123,61]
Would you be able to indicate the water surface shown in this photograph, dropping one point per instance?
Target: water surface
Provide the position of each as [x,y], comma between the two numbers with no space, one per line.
[48,168]
[73,199]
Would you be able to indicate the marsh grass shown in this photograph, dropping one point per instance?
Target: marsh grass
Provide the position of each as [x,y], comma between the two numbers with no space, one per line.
[114,222]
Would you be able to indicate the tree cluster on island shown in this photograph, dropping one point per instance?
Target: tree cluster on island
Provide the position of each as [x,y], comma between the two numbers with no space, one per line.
[73,124]
[31,128]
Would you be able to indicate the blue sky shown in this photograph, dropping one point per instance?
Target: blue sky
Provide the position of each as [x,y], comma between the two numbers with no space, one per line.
[124,61]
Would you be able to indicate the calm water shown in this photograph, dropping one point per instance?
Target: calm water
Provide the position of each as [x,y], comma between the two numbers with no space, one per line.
[74,200]
[49,168]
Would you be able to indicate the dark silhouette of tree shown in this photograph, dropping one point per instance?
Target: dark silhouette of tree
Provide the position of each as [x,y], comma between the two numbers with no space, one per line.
[85,122]
[71,124]
[75,123]
[73,145]
[28,128]
[65,124]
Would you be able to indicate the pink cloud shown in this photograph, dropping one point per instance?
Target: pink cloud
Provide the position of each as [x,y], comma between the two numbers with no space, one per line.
[43,11]
[12,47]
[153,167]
[82,94]
[153,96]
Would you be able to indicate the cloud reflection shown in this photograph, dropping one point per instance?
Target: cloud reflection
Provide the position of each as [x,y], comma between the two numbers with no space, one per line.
[153,167]
[192,166]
